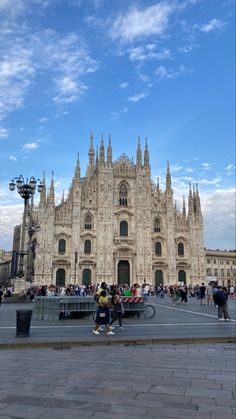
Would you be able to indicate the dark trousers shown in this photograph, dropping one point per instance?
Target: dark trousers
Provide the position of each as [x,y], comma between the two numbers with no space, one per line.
[117,315]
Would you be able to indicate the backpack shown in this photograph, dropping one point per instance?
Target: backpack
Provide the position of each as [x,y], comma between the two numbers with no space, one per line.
[220,297]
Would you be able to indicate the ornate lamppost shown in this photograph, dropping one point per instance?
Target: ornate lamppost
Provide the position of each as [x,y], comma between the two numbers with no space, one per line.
[26,189]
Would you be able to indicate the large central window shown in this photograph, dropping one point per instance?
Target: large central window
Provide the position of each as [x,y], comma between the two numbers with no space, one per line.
[123,228]
[123,194]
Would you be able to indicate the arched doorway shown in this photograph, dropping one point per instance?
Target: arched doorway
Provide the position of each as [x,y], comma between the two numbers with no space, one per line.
[158,277]
[182,277]
[86,277]
[123,276]
[60,278]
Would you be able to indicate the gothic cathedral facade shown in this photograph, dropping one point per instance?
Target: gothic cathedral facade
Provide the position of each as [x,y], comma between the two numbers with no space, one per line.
[117,226]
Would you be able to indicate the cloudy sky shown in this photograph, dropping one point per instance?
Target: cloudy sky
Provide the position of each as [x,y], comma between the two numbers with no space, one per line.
[157,69]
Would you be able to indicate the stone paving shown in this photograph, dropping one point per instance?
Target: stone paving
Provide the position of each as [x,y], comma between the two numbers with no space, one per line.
[185,323]
[120,382]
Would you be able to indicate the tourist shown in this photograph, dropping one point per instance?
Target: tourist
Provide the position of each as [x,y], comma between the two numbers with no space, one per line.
[103,314]
[202,294]
[118,309]
[222,301]
[209,294]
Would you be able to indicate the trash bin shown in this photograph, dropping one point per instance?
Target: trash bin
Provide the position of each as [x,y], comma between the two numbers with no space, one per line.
[23,319]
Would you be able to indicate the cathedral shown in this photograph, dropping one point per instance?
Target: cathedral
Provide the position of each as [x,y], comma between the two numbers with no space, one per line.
[117,225]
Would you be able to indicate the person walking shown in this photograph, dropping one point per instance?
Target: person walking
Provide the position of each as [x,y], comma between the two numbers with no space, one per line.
[202,291]
[103,314]
[222,302]
[118,309]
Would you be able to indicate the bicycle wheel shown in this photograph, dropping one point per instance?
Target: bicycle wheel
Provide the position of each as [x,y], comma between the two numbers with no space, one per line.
[149,311]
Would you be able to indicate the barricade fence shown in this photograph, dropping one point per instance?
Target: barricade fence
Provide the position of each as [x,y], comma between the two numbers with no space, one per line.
[53,308]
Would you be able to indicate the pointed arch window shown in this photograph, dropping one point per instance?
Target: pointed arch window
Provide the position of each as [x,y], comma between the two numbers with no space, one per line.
[88,222]
[157,225]
[180,249]
[123,194]
[158,250]
[87,247]
[62,246]
[123,228]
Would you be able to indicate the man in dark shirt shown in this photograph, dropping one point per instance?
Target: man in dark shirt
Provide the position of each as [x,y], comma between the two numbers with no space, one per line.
[202,294]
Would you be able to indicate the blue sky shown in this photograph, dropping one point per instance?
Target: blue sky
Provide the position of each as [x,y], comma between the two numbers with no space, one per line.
[157,69]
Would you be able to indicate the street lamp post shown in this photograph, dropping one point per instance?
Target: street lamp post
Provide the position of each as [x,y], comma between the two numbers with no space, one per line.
[26,189]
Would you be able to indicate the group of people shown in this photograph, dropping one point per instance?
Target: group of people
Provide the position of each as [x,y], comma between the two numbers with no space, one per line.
[105,299]
[5,293]
[215,294]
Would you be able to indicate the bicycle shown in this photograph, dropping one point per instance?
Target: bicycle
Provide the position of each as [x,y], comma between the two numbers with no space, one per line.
[149,311]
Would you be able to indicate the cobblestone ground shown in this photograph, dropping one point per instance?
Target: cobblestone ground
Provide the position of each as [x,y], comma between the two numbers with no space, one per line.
[120,382]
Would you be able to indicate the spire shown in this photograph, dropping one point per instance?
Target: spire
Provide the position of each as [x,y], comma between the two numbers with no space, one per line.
[109,151]
[51,192]
[194,198]
[190,202]
[184,207]
[77,169]
[63,197]
[42,201]
[91,153]
[158,183]
[102,151]
[198,204]
[97,156]
[139,154]
[168,177]
[146,155]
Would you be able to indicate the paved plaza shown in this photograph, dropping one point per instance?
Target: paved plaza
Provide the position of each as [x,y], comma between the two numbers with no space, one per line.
[185,323]
[120,382]
[64,371]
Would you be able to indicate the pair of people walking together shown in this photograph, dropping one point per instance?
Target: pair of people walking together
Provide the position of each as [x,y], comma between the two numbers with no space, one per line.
[103,311]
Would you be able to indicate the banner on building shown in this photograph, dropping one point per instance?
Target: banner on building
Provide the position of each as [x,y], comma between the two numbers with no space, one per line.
[14,264]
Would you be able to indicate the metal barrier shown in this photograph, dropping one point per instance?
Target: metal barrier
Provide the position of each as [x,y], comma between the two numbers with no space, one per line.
[51,308]
[133,305]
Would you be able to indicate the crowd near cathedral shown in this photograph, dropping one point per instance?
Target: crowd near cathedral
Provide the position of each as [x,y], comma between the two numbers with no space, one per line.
[116,225]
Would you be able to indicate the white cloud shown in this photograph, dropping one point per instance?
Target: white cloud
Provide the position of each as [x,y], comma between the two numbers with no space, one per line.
[142,23]
[42,120]
[124,85]
[216,181]
[27,54]
[230,167]
[212,25]
[206,166]
[4,133]
[188,48]
[69,90]
[10,216]
[137,97]
[116,115]
[176,168]
[12,7]
[219,219]
[164,73]
[143,53]
[13,158]
[30,146]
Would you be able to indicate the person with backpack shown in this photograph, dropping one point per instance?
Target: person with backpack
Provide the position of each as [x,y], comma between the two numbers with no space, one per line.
[221,298]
